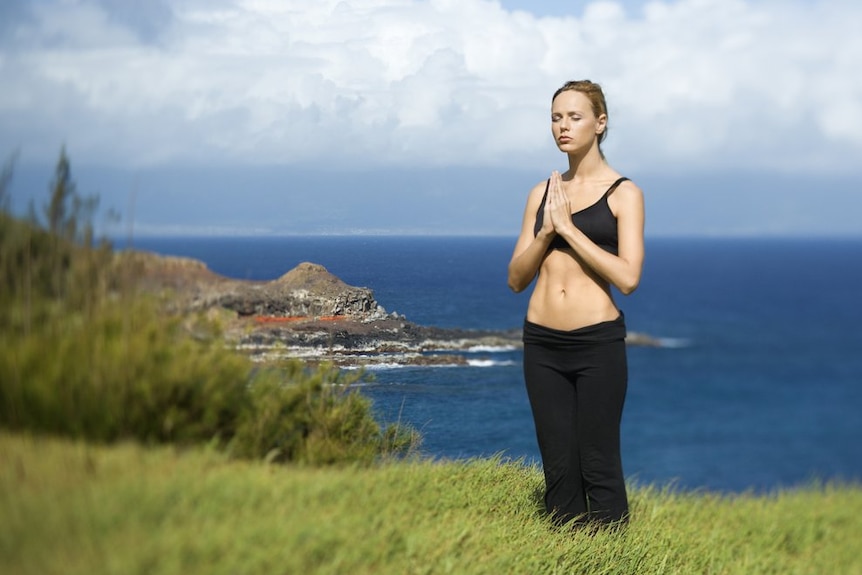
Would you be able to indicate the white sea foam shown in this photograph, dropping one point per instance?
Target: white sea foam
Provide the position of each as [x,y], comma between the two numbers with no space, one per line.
[381,366]
[389,365]
[489,363]
[492,348]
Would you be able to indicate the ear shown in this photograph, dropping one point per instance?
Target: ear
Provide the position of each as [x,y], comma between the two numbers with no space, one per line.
[601,124]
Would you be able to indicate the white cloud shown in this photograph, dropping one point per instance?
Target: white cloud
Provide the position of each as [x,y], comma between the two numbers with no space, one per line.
[692,83]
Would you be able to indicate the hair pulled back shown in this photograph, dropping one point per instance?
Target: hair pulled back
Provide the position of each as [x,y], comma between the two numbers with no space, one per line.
[594,93]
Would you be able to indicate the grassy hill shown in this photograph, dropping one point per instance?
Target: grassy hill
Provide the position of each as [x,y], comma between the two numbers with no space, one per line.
[74,507]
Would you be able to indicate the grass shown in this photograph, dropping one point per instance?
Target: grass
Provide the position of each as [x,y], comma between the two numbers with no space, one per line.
[73,507]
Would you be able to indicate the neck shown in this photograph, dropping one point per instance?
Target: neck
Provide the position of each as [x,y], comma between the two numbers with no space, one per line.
[585,166]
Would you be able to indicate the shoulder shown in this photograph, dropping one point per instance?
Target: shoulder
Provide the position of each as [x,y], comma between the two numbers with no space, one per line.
[537,192]
[627,190]
[539,188]
[627,196]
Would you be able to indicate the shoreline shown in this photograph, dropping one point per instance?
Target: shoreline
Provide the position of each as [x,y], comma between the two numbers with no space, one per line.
[310,314]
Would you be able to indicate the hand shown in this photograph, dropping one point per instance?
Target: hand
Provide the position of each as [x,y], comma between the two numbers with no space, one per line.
[558,206]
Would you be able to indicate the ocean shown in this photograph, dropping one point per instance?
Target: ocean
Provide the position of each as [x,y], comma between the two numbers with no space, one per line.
[758,385]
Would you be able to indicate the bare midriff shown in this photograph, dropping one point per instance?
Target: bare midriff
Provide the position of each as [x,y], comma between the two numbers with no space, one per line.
[569,295]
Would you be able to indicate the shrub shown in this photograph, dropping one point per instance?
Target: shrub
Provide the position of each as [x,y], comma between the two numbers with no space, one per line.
[122,371]
[129,371]
[81,355]
[314,417]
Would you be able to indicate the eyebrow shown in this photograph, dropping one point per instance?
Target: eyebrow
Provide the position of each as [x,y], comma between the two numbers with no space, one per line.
[567,113]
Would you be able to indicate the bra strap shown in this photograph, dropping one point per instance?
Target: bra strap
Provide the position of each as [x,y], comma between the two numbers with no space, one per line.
[545,196]
[615,184]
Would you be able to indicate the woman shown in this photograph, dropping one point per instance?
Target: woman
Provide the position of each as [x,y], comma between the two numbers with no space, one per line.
[582,233]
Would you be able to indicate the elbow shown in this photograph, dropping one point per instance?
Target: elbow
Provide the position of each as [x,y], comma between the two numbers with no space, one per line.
[628,278]
[515,285]
[516,282]
[628,286]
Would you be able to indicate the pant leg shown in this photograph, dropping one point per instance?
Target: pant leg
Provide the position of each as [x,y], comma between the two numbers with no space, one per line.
[554,405]
[577,398]
[601,391]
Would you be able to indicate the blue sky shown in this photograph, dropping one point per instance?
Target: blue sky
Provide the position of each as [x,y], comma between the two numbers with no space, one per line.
[736,117]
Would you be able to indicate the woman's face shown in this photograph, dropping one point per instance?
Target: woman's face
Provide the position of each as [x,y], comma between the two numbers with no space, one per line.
[573,123]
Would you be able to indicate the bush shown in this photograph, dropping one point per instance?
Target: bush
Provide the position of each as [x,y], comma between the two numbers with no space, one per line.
[128,371]
[83,356]
[313,418]
[122,371]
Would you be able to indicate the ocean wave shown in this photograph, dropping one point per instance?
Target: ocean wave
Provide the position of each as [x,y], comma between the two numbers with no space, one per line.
[491,349]
[381,366]
[391,365]
[489,363]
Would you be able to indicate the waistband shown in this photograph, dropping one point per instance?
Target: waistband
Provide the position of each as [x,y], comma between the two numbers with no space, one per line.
[602,332]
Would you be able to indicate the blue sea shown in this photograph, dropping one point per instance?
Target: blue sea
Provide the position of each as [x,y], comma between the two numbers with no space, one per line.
[758,385]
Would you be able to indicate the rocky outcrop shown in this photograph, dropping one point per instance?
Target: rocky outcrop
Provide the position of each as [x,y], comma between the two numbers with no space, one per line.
[308,290]
[312,314]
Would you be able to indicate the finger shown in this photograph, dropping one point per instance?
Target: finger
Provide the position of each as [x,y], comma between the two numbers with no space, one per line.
[559,195]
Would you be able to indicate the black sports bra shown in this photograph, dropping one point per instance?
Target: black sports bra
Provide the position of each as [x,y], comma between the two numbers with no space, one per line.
[596,221]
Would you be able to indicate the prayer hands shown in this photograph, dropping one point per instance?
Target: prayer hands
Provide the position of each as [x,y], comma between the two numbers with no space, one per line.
[558,212]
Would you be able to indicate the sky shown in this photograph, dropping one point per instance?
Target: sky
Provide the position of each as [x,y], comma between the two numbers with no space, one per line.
[247,117]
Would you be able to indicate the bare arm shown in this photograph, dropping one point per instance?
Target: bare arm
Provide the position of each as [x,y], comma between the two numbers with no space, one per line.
[530,251]
[622,270]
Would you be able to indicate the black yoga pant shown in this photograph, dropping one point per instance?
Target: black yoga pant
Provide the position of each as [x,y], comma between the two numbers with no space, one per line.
[576,381]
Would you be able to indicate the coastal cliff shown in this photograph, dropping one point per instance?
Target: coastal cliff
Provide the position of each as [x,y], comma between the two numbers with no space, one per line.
[310,313]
